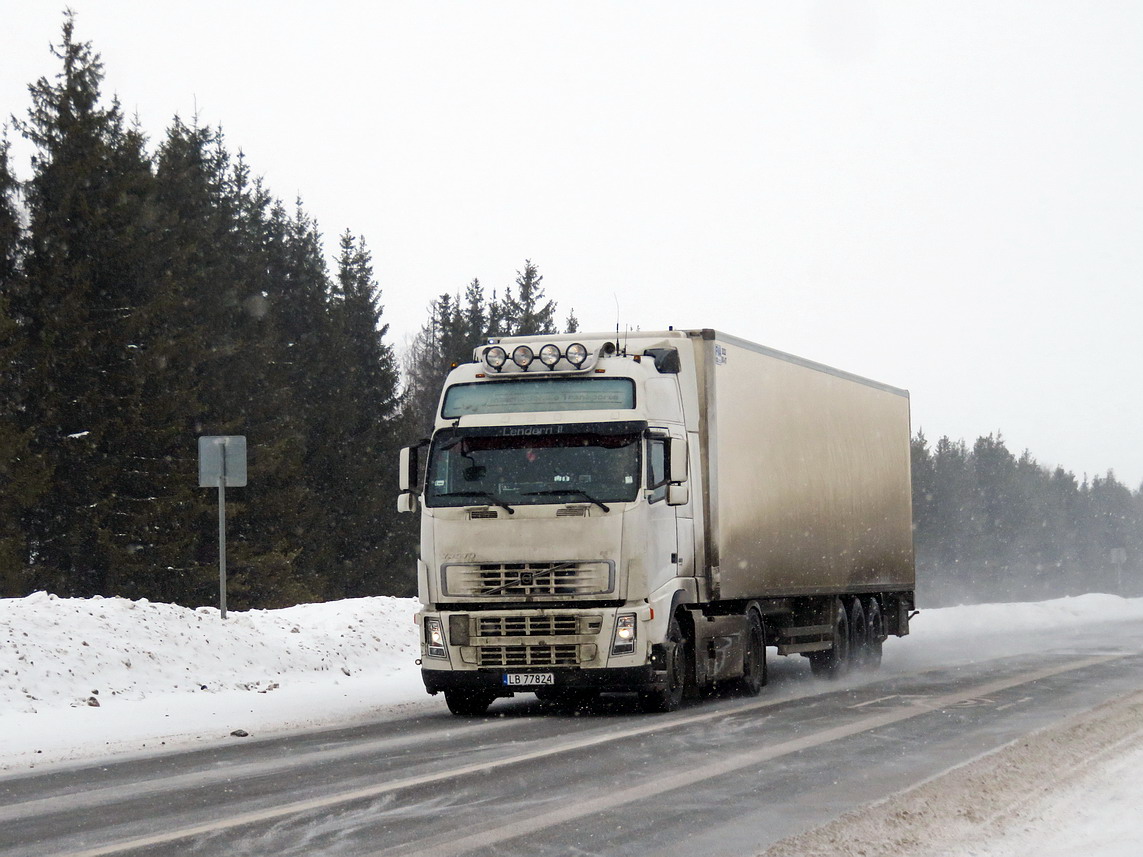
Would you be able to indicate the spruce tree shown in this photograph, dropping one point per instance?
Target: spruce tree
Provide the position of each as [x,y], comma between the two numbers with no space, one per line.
[86,274]
[925,525]
[258,398]
[994,471]
[372,549]
[527,312]
[21,476]
[190,341]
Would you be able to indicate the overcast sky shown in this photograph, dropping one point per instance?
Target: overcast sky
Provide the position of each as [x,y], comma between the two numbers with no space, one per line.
[946,197]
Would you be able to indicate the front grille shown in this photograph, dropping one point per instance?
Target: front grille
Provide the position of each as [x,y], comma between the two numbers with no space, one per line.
[528,656]
[527,626]
[530,579]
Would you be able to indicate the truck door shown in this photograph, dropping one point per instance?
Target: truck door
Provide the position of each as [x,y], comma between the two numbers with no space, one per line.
[662,554]
[684,513]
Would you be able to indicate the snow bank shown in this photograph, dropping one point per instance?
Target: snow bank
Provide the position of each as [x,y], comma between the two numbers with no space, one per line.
[82,678]
[947,624]
[60,651]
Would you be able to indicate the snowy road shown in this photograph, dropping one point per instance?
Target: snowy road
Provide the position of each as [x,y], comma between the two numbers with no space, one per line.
[931,742]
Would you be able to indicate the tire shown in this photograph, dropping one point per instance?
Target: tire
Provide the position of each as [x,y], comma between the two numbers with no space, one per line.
[468,703]
[833,664]
[754,674]
[670,697]
[858,634]
[874,635]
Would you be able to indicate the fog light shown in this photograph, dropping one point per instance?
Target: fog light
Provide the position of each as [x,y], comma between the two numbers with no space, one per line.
[496,357]
[624,642]
[550,355]
[576,354]
[522,356]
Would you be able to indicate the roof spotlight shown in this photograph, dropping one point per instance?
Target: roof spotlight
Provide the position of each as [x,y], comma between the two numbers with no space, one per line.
[496,357]
[576,354]
[550,355]
[522,356]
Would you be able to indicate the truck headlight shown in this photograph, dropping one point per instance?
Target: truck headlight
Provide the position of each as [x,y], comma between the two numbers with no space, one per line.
[435,638]
[624,642]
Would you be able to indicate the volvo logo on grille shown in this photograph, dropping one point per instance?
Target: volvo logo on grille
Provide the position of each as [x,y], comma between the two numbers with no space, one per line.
[527,578]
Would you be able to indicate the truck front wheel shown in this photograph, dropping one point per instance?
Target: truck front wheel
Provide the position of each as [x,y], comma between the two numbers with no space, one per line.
[468,703]
[675,655]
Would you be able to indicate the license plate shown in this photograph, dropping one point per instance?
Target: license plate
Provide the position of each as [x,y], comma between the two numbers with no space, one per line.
[529,679]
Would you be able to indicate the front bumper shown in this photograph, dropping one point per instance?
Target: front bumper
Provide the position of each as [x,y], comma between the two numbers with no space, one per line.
[618,679]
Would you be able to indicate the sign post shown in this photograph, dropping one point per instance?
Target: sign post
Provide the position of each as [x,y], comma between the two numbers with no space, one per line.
[1118,558]
[222,463]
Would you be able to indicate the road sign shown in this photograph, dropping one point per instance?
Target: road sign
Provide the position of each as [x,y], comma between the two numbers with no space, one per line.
[223,456]
[222,465]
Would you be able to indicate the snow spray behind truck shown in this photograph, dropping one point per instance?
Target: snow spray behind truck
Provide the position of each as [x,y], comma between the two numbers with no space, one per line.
[649,513]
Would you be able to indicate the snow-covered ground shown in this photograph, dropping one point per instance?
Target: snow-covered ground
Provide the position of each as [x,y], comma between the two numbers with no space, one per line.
[81,679]
[84,679]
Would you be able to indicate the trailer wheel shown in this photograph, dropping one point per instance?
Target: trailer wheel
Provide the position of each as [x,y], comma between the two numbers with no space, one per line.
[835,662]
[754,658]
[858,633]
[669,697]
[468,703]
[874,636]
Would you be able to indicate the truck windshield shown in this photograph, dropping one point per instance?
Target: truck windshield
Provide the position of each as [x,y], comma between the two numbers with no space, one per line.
[468,469]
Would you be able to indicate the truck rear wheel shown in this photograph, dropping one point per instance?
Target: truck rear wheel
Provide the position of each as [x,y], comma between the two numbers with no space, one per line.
[835,662]
[754,658]
[468,703]
[858,633]
[874,636]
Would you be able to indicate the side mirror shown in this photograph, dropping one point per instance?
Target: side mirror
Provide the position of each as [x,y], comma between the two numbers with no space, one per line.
[408,466]
[407,502]
[678,469]
[678,495]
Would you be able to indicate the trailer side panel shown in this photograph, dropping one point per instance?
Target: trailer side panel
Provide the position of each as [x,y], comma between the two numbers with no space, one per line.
[809,487]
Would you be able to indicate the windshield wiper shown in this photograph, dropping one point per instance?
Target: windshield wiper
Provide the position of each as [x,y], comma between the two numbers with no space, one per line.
[576,491]
[486,494]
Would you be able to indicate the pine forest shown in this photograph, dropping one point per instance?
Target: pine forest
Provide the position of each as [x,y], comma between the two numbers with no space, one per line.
[154,293]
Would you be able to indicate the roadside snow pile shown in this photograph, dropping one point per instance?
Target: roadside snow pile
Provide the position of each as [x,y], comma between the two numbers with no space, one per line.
[992,619]
[69,652]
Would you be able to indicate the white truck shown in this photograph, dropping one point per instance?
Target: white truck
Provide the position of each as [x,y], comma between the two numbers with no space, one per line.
[649,513]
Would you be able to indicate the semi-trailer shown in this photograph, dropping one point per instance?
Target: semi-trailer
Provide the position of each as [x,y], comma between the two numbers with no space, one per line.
[649,513]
